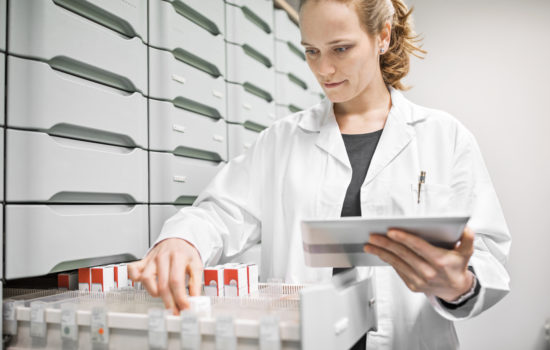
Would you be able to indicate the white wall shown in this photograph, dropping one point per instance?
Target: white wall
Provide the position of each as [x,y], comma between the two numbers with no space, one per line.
[488,64]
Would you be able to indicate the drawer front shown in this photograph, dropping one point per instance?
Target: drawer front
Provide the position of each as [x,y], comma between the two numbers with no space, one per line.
[3,22]
[42,168]
[173,80]
[1,242]
[243,68]
[74,44]
[2,132]
[262,8]
[288,91]
[158,214]
[212,9]
[288,59]
[285,29]
[44,99]
[240,139]
[185,133]
[170,29]
[245,107]
[50,238]
[242,30]
[179,180]
[2,88]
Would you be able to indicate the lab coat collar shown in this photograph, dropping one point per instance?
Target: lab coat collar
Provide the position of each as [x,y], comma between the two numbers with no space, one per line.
[398,132]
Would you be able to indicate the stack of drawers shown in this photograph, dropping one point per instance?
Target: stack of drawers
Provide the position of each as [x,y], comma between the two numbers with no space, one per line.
[187,103]
[250,71]
[296,86]
[76,137]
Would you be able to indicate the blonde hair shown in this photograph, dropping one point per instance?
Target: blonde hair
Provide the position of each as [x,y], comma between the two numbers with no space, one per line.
[373,14]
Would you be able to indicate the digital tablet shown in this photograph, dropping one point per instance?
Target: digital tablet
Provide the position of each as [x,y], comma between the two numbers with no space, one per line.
[339,242]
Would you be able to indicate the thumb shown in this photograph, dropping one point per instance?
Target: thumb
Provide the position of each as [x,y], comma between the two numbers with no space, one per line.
[466,246]
[135,269]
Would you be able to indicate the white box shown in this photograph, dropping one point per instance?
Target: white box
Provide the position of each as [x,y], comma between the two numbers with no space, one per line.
[240,139]
[44,99]
[170,29]
[252,277]
[42,168]
[235,280]
[214,281]
[71,42]
[85,279]
[67,280]
[172,79]
[243,68]
[179,180]
[241,30]
[35,235]
[245,107]
[120,275]
[177,130]
[103,279]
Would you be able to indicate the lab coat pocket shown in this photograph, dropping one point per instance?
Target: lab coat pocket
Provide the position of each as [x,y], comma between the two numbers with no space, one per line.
[331,199]
[434,199]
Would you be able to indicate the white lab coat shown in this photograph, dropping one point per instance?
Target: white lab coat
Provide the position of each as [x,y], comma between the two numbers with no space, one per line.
[298,168]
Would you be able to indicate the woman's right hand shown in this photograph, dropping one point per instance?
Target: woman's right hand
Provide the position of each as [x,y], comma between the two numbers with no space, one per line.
[163,272]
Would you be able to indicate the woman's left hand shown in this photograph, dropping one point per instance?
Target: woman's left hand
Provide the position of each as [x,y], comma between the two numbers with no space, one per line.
[424,267]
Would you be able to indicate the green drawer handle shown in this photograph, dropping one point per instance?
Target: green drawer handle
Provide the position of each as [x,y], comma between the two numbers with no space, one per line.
[196,17]
[254,18]
[295,50]
[197,62]
[261,93]
[255,54]
[297,81]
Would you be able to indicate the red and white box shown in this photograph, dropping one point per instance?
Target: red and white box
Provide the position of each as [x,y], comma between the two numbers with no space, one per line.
[252,276]
[235,281]
[213,281]
[121,275]
[103,279]
[85,279]
[67,280]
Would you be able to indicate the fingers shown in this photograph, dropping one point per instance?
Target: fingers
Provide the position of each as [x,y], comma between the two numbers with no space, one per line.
[177,282]
[195,278]
[135,269]
[163,262]
[149,278]
[430,253]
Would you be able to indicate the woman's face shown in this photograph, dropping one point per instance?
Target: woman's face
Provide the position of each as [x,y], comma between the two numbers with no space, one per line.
[340,53]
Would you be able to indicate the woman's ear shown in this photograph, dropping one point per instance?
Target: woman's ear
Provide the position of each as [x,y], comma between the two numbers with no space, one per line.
[384,37]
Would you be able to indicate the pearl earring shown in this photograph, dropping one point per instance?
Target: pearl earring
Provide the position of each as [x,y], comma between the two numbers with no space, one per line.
[382,50]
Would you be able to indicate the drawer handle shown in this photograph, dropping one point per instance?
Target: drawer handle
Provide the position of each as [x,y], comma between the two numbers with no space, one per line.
[197,62]
[254,18]
[295,50]
[256,55]
[297,81]
[294,108]
[247,106]
[180,178]
[178,78]
[217,94]
[178,128]
[254,90]
[98,15]
[196,107]
[218,138]
[195,17]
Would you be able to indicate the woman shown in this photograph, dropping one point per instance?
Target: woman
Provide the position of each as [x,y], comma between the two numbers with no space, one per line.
[359,152]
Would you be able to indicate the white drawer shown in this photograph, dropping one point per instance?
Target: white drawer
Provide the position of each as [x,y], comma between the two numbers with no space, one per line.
[241,29]
[184,85]
[50,238]
[176,26]
[240,139]
[246,108]
[3,23]
[185,133]
[285,29]
[2,88]
[262,8]
[179,180]
[212,9]
[158,214]
[284,110]
[132,15]
[312,98]
[42,168]
[72,43]
[44,99]
[243,68]
[289,90]
[1,250]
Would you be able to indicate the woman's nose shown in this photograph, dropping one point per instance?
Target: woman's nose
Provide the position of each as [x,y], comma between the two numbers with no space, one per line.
[325,68]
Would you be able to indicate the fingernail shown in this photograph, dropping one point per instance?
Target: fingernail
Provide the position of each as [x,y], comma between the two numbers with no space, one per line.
[392,234]
[366,248]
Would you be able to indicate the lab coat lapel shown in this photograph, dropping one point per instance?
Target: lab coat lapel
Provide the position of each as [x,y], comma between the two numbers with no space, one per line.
[397,134]
[330,137]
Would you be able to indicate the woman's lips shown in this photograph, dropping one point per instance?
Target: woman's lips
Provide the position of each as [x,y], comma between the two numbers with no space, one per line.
[333,85]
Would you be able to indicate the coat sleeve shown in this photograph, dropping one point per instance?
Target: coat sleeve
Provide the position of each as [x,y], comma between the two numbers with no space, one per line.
[474,191]
[225,219]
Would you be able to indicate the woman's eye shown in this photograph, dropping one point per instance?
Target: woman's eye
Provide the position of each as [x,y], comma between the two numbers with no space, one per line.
[310,51]
[341,49]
